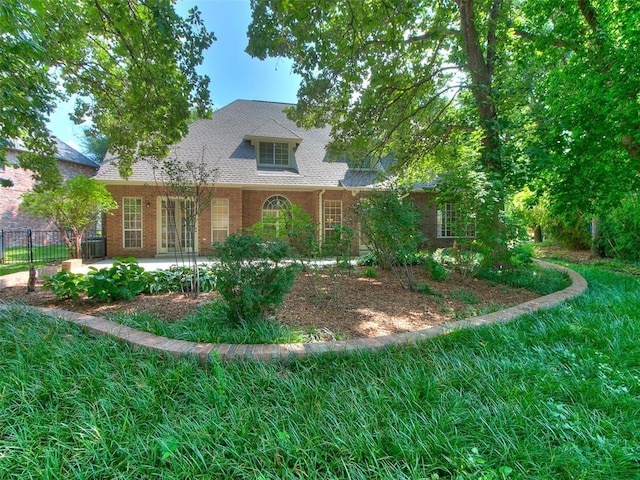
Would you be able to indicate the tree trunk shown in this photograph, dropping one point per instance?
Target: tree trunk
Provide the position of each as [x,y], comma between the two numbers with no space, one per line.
[595,237]
[537,234]
[481,73]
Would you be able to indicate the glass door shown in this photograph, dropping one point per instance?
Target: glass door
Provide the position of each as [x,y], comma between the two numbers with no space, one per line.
[178,226]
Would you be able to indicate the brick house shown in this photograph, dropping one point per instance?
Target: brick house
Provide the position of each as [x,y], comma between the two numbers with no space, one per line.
[71,163]
[264,162]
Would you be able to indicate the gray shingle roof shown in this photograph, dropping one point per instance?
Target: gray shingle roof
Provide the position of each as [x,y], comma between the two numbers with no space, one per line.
[223,142]
[63,152]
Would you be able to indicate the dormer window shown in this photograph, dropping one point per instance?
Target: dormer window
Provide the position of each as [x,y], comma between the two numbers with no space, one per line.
[364,164]
[273,154]
[275,145]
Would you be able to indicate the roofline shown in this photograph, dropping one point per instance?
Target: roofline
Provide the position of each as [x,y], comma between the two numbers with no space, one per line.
[243,186]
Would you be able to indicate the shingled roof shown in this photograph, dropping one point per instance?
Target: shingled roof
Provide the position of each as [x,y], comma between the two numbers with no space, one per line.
[64,152]
[224,141]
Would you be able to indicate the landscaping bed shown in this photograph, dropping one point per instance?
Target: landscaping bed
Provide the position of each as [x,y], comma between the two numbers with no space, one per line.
[327,305]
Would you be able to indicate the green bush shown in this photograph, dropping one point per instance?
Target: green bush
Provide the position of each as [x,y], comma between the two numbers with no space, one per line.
[437,271]
[621,231]
[250,277]
[124,280]
[370,272]
[65,284]
[391,222]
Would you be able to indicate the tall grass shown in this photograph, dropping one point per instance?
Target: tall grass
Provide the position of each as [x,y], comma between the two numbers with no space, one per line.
[552,395]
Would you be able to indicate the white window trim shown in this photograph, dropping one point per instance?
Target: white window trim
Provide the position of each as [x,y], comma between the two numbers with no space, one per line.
[325,228]
[261,163]
[213,227]
[440,223]
[141,229]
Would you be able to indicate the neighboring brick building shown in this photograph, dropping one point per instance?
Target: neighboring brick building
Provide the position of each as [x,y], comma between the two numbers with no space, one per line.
[71,164]
[264,162]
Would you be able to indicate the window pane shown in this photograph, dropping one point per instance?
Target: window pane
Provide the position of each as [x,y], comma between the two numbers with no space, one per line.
[453,224]
[132,222]
[219,219]
[273,153]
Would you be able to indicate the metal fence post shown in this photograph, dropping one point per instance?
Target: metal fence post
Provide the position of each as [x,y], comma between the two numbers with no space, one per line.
[1,246]
[30,247]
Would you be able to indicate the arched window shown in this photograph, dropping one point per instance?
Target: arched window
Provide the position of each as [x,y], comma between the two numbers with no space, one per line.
[272,212]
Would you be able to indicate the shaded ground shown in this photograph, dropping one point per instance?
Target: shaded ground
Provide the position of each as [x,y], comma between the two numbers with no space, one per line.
[334,305]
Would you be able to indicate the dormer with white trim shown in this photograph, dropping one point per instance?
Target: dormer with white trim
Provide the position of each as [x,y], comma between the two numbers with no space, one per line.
[275,146]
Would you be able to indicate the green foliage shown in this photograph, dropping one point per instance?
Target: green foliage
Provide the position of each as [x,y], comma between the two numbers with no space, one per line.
[210,324]
[391,226]
[295,227]
[466,262]
[583,102]
[178,279]
[65,284]
[124,280]
[367,260]
[370,272]
[437,271]
[250,277]
[339,243]
[465,296]
[73,207]
[552,395]
[132,66]
[522,254]
[621,230]
[539,280]
[571,230]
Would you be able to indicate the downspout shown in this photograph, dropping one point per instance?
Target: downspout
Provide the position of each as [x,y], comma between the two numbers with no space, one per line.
[320,195]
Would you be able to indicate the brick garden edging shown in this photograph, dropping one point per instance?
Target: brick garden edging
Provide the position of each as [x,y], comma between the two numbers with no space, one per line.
[283,352]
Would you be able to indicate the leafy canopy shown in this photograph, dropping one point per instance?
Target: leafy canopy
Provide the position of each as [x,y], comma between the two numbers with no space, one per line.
[132,66]
[73,207]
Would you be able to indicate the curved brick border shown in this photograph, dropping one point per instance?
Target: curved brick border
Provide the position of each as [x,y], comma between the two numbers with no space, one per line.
[206,351]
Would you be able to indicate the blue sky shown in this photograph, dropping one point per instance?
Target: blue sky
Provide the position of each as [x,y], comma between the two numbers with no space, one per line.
[234,74]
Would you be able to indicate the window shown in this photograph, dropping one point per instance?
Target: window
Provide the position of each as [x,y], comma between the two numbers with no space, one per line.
[366,164]
[453,224]
[272,213]
[132,222]
[274,154]
[219,219]
[332,217]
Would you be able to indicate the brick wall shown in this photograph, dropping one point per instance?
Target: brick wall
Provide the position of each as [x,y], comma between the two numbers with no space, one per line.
[11,218]
[428,207]
[245,209]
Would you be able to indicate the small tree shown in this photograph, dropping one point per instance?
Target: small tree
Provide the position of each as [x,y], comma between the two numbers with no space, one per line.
[391,226]
[190,183]
[73,208]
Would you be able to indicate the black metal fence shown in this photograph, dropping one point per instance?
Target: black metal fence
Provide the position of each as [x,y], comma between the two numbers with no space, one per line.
[27,246]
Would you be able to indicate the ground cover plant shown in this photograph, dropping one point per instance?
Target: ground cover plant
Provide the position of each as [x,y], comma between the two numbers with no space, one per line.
[553,394]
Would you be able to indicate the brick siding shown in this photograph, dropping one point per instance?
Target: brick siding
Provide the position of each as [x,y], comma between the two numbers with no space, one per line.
[11,218]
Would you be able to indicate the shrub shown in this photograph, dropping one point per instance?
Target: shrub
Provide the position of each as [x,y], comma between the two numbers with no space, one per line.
[65,284]
[437,271]
[367,260]
[465,262]
[250,277]
[124,280]
[621,230]
[391,226]
[370,273]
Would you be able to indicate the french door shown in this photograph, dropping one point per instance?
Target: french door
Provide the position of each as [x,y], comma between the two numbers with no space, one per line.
[178,226]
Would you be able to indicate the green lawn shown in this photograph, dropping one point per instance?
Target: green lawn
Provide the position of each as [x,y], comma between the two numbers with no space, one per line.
[16,259]
[553,395]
